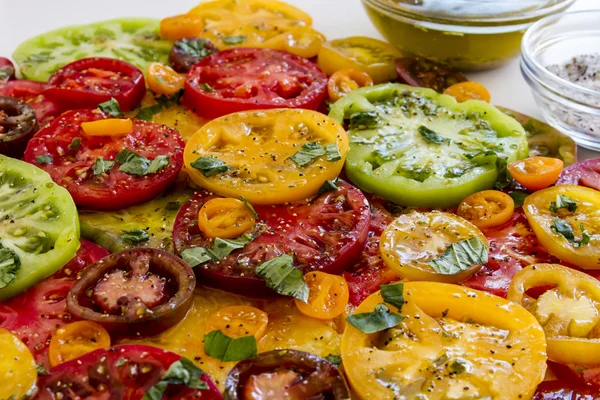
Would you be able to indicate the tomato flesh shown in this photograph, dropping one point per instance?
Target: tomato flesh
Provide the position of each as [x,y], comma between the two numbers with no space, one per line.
[33,93]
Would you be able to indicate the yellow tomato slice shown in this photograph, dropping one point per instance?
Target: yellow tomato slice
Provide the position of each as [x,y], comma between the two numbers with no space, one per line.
[17,367]
[181,26]
[554,229]
[225,218]
[346,80]
[256,147]
[487,209]
[569,311]
[107,127]
[327,298]
[369,55]
[238,321]
[412,240]
[536,173]
[76,339]
[162,79]
[454,343]
[273,9]
[469,90]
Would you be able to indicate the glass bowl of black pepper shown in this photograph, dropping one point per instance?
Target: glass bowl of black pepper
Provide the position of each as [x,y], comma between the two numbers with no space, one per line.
[560,60]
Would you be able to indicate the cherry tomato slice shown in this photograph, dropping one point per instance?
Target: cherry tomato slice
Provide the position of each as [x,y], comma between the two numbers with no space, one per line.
[73,168]
[536,173]
[464,91]
[7,70]
[181,26]
[76,339]
[249,79]
[31,93]
[327,298]
[225,218]
[487,209]
[427,73]
[17,367]
[163,79]
[346,80]
[238,321]
[88,82]
[17,126]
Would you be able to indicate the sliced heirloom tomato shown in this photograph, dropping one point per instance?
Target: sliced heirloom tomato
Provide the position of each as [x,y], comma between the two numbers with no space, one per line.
[269,157]
[7,70]
[88,82]
[76,339]
[225,218]
[285,374]
[251,79]
[107,172]
[464,91]
[139,291]
[453,342]
[346,80]
[17,367]
[584,173]
[568,310]
[421,72]
[162,79]
[419,148]
[17,125]
[536,173]
[32,93]
[127,372]
[487,209]
[327,298]
[326,233]
[238,321]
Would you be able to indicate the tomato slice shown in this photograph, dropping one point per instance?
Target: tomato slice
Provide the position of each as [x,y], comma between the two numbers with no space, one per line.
[464,91]
[36,314]
[31,93]
[346,80]
[74,168]
[7,70]
[17,125]
[225,218]
[328,296]
[422,72]
[487,209]
[17,367]
[536,173]
[563,390]
[326,233]
[238,321]
[91,81]
[127,371]
[162,79]
[76,339]
[584,173]
[249,79]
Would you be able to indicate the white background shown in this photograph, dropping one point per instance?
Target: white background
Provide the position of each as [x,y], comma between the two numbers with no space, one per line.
[20,19]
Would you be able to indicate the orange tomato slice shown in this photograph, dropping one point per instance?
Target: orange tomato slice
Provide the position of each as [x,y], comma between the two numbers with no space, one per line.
[107,127]
[225,218]
[469,90]
[181,26]
[327,298]
[163,79]
[536,173]
[238,321]
[346,80]
[76,339]
[487,209]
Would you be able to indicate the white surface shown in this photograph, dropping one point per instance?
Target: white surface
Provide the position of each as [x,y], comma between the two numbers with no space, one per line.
[20,19]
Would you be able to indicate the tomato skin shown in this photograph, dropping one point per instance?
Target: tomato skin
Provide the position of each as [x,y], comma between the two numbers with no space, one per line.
[252,79]
[33,93]
[117,189]
[72,87]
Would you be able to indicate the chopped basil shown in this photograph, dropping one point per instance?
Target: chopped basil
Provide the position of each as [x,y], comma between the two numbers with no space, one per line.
[102,166]
[393,294]
[563,228]
[332,152]
[518,197]
[364,120]
[133,163]
[313,150]
[282,277]
[210,166]
[207,87]
[458,366]
[334,359]
[249,205]
[111,107]
[461,256]
[432,136]
[378,320]
[157,164]
[196,255]
[182,372]
[135,236]
[234,39]
[146,113]
[120,362]
[9,266]
[563,201]
[41,371]
[194,47]
[173,206]
[225,348]
[222,247]
[44,159]
[75,143]
[328,186]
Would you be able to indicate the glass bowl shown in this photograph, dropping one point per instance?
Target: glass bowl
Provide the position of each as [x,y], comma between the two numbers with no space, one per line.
[467,34]
[570,108]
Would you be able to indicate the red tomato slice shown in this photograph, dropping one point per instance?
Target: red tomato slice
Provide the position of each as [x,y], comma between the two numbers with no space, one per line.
[562,390]
[36,314]
[31,93]
[88,82]
[327,234]
[113,189]
[249,79]
[583,173]
[121,372]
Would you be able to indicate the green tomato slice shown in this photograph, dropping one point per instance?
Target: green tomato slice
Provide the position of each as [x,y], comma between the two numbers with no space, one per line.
[135,40]
[416,147]
[38,224]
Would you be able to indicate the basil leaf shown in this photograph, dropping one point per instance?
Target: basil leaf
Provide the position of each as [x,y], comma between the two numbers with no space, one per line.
[120,362]
[9,266]
[182,372]
[207,87]
[194,47]
[563,228]
[378,320]
[249,205]
[44,159]
[234,39]
[458,366]
[133,163]
[518,197]
[196,255]
[585,237]
[135,236]
[146,113]
[210,166]
[41,371]
[224,247]
[157,164]
[328,186]
[309,153]
[75,143]
[563,201]
[460,256]
[432,136]
[332,152]
[393,294]
[334,359]
[102,166]
[364,120]
[283,278]
[224,348]
[111,107]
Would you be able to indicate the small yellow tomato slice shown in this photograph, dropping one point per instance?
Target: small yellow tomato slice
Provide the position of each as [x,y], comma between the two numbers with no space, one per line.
[544,221]
[257,147]
[238,321]
[346,80]
[17,367]
[225,218]
[487,209]
[469,90]
[327,298]
[369,55]
[454,343]
[412,240]
[76,339]
[537,172]
[181,26]
[107,127]
[569,311]
[162,79]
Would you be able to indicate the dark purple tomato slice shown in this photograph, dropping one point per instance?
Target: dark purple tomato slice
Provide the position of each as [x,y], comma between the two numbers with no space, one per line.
[188,51]
[326,234]
[285,374]
[427,73]
[17,125]
[563,390]
[31,92]
[583,173]
[124,372]
[7,70]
